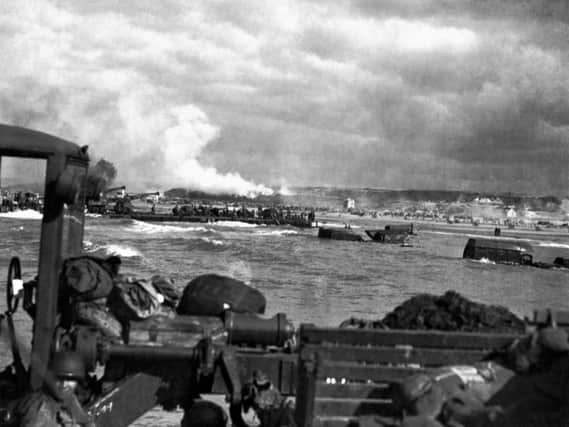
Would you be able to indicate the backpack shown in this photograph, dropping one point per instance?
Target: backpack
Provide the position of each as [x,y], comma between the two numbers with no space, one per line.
[87,278]
[134,299]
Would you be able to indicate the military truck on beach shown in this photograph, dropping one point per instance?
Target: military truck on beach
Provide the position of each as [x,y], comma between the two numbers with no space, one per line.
[89,367]
[501,251]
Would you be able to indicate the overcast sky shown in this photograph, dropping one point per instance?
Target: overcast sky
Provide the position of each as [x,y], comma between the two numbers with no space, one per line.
[245,96]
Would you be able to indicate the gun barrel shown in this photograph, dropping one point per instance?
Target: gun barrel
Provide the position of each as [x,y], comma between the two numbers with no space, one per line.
[252,330]
[148,352]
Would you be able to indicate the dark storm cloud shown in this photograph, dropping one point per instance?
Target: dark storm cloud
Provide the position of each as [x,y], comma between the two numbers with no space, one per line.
[518,10]
[397,94]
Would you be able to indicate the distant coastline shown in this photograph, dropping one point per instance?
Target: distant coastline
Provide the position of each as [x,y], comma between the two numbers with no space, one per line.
[440,225]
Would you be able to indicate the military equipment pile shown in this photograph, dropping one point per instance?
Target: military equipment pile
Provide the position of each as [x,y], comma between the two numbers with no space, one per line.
[525,384]
[448,312]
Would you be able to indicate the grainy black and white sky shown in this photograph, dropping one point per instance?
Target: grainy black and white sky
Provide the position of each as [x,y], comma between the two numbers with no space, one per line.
[244,95]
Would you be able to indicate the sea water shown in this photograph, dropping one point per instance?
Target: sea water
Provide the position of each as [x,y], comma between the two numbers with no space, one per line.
[310,279]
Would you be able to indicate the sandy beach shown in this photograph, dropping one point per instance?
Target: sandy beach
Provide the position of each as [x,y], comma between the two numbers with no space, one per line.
[381,221]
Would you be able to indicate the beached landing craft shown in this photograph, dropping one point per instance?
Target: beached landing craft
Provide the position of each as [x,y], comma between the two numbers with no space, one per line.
[158,357]
[398,234]
[513,252]
[502,251]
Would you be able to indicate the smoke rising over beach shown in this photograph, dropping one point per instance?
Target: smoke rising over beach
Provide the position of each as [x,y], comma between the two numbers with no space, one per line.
[241,96]
[49,84]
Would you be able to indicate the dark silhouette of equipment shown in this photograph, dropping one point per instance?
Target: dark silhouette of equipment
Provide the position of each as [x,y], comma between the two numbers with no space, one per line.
[99,204]
[501,251]
[123,206]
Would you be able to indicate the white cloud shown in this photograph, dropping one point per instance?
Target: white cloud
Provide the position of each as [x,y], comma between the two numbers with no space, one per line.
[139,82]
[90,78]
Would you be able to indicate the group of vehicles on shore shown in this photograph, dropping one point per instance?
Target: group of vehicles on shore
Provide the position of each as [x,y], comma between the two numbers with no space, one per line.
[17,200]
[116,202]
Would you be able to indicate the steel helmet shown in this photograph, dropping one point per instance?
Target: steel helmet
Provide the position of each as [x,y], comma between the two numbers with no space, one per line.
[68,365]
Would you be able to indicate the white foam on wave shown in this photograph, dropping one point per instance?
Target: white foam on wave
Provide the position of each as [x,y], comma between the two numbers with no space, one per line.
[553,245]
[150,228]
[112,249]
[485,261]
[336,225]
[23,214]
[122,251]
[275,232]
[88,245]
[235,224]
[212,241]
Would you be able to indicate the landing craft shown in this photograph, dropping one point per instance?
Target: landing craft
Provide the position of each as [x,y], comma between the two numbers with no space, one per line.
[502,251]
[337,375]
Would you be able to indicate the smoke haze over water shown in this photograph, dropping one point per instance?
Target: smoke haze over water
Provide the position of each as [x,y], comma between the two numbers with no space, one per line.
[238,96]
[50,84]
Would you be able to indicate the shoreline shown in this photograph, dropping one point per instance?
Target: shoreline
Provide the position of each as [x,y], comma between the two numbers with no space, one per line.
[443,226]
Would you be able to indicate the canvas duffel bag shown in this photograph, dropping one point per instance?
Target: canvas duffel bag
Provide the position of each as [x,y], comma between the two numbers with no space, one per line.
[212,294]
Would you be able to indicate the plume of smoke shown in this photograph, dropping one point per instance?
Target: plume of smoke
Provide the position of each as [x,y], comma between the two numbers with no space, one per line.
[168,142]
[93,93]
[284,190]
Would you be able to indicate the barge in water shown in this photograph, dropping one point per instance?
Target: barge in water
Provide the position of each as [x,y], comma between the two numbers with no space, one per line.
[398,234]
[501,251]
[150,217]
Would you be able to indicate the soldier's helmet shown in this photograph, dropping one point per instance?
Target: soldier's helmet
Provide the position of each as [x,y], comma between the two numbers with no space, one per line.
[68,365]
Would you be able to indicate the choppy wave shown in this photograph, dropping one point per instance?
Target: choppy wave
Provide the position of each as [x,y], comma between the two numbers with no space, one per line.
[553,245]
[275,232]
[123,251]
[151,228]
[214,242]
[235,224]
[88,245]
[23,214]
[337,224]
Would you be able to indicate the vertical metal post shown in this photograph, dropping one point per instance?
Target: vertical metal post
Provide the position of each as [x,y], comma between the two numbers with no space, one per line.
[306,390]
[49,267]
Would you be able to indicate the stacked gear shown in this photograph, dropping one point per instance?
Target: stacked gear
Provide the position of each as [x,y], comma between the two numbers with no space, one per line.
[451,396]
[86,283]
[448,312]
[93,293]
[528,385]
